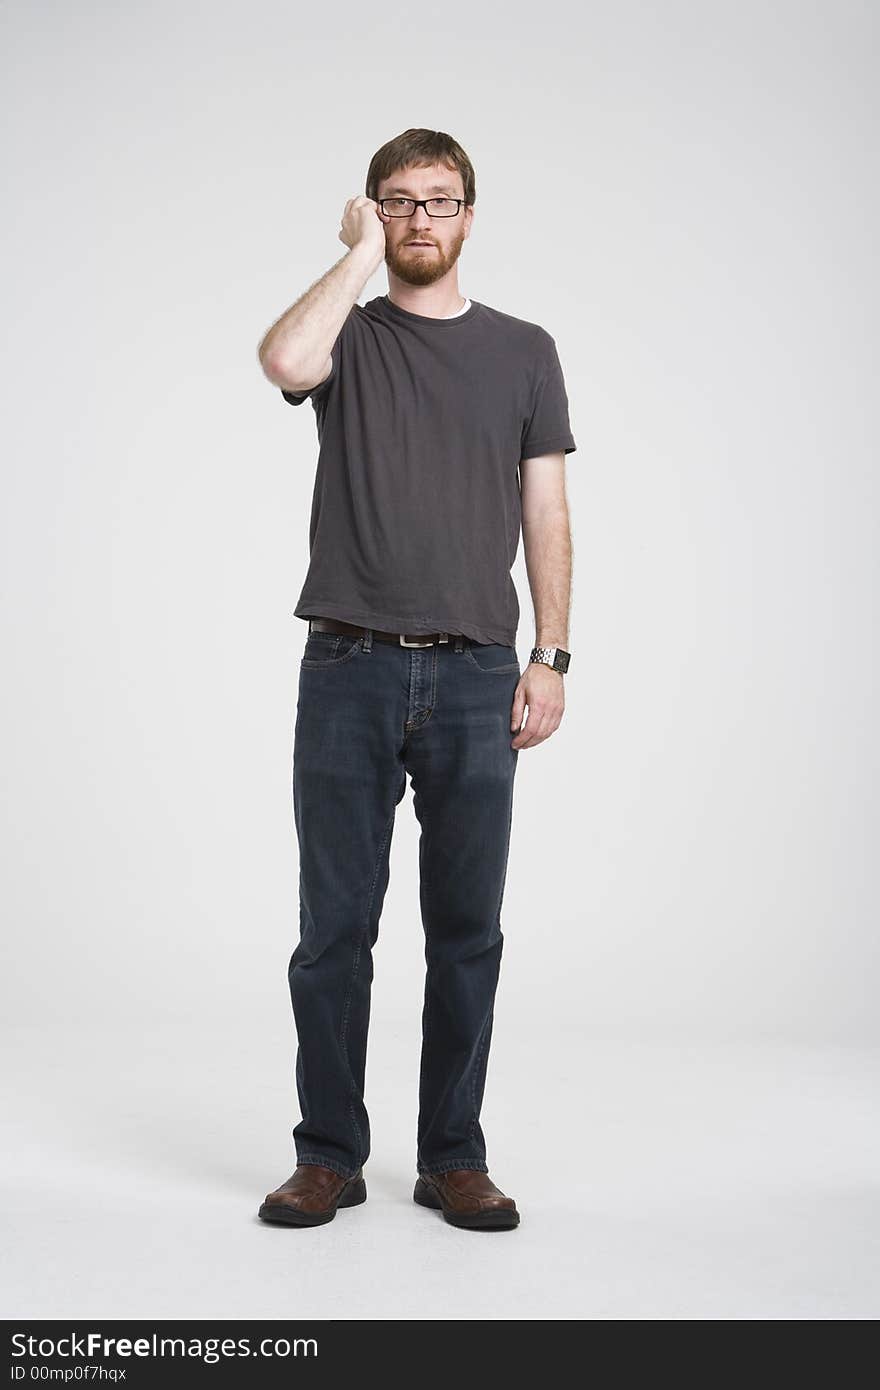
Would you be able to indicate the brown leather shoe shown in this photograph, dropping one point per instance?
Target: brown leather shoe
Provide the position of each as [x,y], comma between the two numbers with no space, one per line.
[311,1196]
[467,1198]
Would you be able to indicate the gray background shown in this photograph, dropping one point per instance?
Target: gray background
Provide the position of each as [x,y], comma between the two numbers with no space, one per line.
[682,1088]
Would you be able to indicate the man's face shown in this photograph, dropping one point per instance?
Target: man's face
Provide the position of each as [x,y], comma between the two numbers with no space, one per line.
[445,236]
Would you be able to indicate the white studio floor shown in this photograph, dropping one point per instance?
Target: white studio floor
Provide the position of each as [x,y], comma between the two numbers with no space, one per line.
[655,1181]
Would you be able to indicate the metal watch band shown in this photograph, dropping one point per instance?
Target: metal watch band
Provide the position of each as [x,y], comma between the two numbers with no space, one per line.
[551,656]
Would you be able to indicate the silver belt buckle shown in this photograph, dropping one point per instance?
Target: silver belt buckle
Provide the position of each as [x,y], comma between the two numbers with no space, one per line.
[404,643]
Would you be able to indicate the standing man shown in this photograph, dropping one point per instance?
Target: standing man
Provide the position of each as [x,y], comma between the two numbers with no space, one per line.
[443,428]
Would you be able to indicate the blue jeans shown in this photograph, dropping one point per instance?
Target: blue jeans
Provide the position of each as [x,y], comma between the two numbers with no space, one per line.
[368,712]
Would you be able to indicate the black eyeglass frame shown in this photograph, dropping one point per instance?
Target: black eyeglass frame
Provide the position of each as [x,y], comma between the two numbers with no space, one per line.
[421,203]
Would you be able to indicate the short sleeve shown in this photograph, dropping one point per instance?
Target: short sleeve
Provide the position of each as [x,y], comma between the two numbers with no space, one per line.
[548,430]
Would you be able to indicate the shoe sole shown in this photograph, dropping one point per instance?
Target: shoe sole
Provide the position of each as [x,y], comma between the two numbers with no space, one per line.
[282,1215]
[500,1219]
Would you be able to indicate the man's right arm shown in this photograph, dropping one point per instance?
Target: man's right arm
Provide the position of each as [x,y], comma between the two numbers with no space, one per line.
[295,353]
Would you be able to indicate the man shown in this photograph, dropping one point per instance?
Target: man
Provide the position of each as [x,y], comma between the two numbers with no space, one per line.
[428,406]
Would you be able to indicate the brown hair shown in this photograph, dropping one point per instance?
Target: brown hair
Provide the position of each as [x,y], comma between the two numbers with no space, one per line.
[421,148]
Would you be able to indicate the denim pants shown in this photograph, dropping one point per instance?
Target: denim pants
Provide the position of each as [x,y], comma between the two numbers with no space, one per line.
[368,713]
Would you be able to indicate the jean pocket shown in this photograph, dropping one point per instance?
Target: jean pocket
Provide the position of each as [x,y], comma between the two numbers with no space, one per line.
[324,649]
[492,658]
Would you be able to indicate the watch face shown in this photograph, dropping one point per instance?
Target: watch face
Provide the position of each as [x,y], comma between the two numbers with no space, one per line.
[562,660]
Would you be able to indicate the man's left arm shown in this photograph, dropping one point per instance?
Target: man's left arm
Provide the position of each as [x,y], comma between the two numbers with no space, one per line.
[547,547]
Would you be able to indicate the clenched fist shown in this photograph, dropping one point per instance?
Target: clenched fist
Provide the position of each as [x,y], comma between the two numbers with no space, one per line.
[363,225]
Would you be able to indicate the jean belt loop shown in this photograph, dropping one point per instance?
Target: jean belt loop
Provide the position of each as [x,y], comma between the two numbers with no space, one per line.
[368,639]
[459,642]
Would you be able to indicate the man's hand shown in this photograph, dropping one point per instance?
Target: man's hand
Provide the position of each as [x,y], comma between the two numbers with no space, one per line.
[363,225]
[542,689]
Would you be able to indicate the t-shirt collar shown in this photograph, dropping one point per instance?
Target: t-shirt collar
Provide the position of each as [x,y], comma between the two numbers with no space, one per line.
[405,314]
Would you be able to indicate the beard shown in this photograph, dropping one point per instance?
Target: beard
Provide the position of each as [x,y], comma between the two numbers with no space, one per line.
[423,267]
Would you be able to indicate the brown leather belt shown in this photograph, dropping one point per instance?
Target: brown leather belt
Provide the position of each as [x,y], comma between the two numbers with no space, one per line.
[403,639]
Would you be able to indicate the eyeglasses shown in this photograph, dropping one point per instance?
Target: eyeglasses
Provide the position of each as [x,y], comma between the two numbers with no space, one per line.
[434,207]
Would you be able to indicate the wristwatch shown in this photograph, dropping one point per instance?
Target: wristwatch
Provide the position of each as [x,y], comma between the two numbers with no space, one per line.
[551,656]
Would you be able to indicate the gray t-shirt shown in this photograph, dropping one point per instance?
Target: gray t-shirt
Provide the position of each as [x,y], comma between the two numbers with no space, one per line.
[422,423]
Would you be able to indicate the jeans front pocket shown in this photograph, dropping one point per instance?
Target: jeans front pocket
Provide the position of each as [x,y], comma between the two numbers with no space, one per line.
[325,649]
[492,658]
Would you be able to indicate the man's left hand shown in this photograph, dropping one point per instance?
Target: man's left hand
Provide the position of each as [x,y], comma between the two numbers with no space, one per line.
[542,689]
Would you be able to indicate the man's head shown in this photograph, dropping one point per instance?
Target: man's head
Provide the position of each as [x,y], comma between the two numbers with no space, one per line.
[423,164]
